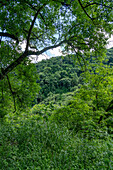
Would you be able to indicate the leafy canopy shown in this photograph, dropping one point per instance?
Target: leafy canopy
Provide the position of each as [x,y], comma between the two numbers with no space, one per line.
[78,26]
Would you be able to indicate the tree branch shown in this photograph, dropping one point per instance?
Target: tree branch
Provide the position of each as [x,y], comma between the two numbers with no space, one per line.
[5,34]
[85,10]
[77,55]
[43,20]
[46,48]
[5,71]
[95,3]
[32,25]
[37,37]
[13,93]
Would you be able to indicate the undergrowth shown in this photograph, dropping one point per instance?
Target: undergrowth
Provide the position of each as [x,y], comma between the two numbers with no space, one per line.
[38,145]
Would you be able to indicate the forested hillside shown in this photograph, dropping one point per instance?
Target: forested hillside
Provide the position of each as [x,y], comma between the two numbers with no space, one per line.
[60,75]
[57,75]
[71,127]
[72,122]
[66,87]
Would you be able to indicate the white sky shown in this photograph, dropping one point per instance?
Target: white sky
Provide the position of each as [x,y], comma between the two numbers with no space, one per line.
[56,52]
[50,53]
[110,42]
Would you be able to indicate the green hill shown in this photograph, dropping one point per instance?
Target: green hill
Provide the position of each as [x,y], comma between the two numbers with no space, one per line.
[59,75]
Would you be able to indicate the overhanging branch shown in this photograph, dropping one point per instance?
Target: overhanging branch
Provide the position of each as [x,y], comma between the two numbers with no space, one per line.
[85,10]
[5,71]
[32,25]
[18,61]
[5,34]
[46,48]
[96,3]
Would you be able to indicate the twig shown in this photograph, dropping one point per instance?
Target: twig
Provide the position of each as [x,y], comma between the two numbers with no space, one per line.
[32,25]
[85,10]
[13,93]
[95,3]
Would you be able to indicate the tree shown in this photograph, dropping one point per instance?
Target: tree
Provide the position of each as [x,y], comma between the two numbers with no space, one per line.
[78,26]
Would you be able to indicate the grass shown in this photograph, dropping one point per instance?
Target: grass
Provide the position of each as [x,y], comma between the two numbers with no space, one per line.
[38,145]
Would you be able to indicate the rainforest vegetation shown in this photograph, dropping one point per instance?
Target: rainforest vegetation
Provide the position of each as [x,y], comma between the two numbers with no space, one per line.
[58,113]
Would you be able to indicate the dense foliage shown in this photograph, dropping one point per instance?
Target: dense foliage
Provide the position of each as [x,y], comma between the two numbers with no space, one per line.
[71,126]
[57,75]
[66,130]
[31,142]
[60,75]
[79,27]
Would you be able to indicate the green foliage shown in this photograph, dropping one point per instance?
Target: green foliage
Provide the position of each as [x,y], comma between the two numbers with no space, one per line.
[75,26]
[67,77]
[90,110]
[78,27]
[66,130]
[98,87]
[32,144]
[19,88]
[42,110]
[73,116]
[61,77]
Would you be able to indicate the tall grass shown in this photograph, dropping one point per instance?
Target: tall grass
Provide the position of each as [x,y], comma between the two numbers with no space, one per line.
[35,145]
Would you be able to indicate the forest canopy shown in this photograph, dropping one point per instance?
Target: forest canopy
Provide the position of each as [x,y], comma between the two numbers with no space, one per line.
[79,27]
[76,25]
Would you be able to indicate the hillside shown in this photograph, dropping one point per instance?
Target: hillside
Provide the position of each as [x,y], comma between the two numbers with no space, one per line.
[59,75]
[72,125]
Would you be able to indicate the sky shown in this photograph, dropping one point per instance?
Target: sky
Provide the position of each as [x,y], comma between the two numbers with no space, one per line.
[50,53]
[57,52]
[110,42]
